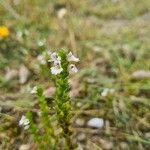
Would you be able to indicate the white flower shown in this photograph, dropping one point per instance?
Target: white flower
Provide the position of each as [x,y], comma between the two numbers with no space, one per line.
[34,90]
[56,59]
[57,63]
[41,42]
[71,57]
[53,57]
[24,122]
[56,70]
[41,59]
[105,92]
[73,68]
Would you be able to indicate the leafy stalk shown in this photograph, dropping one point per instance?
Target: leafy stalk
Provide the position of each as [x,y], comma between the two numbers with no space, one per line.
[62,100]
[46,140]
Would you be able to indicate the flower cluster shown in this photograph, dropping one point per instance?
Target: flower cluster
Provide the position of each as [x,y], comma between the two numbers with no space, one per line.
[57,68]
[4,32]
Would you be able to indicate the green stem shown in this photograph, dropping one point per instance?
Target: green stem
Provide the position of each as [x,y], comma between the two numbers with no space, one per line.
[62,101]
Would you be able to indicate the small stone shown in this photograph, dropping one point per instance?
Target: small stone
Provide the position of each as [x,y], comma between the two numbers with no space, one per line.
[141,74]
[74,91]
[41,59]
[147,135]
[79,104]
[61,13]
[24,147]
[48,93]
[80,122]
[11,74]
[123,145]
[81,137]
[23,74]
[79,147]
[106,144]
[96,123]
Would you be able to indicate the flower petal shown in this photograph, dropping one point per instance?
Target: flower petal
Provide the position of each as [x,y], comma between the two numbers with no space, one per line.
[56,70]
[53,57]
[71,57]
[24,122]
[34,90]
[57,63]
[73,68]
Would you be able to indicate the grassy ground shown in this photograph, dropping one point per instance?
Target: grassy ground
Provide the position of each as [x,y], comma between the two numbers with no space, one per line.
[111,37]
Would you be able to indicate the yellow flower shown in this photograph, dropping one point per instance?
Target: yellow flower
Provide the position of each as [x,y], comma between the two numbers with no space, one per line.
[4,32]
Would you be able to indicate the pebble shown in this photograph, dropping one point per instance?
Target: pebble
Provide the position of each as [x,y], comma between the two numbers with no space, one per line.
[11,74]
[141,74]
[61,13]
[123,145]
[147,135]
[23,74]
[96,123]
[107,145]
[80,122]
[79,104]
[24,147]
[79,147]
[81,137]
[48,93]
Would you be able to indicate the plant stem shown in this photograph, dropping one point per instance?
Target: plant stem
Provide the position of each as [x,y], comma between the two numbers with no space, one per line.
[62,101]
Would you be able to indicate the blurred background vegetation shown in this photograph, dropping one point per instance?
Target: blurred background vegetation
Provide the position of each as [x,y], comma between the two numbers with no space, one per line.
[111,38]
